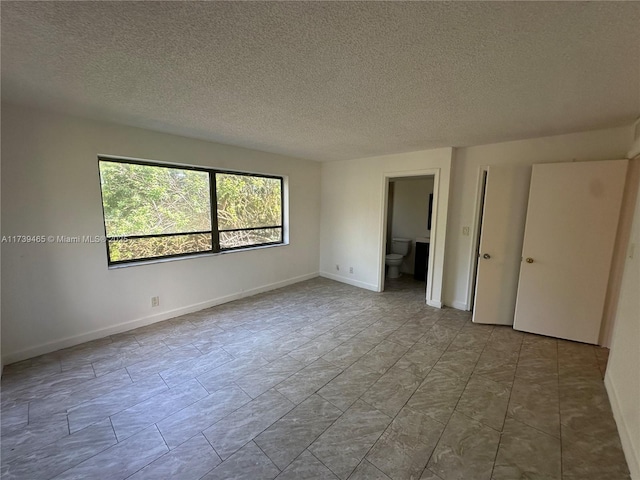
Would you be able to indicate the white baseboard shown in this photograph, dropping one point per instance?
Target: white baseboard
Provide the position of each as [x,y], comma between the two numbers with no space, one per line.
[141,322]
[460,306]
[631,454]
[433,303]
[350,281]
[635,148]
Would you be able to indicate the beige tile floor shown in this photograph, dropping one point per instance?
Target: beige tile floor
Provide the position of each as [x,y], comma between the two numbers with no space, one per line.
[318,380]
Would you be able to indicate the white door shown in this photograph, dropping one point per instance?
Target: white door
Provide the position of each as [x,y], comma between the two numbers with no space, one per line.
[570,231]
[502,230]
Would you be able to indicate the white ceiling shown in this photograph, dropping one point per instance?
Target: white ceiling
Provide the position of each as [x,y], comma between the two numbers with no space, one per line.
[329,80]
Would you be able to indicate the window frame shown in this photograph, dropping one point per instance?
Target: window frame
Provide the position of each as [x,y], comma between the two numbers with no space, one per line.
[213,206]
[214,197]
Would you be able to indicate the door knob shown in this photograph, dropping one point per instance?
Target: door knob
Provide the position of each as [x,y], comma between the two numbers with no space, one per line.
[486,256]
[529,260]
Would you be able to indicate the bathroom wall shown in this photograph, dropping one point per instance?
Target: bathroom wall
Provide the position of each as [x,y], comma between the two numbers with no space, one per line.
[410,213]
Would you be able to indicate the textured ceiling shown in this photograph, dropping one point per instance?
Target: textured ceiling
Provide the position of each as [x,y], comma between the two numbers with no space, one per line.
[329,80]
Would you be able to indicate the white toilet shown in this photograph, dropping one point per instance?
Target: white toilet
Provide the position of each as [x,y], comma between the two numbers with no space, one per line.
[399,249]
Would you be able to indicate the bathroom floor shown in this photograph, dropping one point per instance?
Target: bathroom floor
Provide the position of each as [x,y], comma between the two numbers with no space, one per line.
[319,380]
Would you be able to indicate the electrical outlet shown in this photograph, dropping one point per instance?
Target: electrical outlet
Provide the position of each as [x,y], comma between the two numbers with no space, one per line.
[465,231]
[155,302]
[350,269]
[337,267]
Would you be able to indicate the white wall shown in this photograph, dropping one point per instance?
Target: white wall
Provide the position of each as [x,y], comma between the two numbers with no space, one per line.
[1,360]
[56,295]
[352,224]
[351,201]
[622,378]
[594,145]
[411,214]
[619,257]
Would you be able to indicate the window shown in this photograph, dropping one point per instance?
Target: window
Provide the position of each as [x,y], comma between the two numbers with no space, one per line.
[249,210]
[156,211]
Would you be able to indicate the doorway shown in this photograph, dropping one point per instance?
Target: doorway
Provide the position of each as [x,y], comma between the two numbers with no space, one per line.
[410,215]
[498,242]
[478,234]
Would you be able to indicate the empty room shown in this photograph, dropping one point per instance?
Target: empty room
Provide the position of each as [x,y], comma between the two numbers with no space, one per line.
[320,240]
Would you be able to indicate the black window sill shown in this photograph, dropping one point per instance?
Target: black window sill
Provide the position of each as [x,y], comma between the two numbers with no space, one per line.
[194,256]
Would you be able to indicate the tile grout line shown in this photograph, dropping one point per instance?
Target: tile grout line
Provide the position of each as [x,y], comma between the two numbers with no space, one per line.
[312,442]
[311,453]
[96,453]
[405,404]
[426,465]
[559,409]
[457,402]
[328,298]
[280,470]
[495,458]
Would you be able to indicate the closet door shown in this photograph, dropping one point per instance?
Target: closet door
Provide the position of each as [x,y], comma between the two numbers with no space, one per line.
[500,246]
[571,225]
